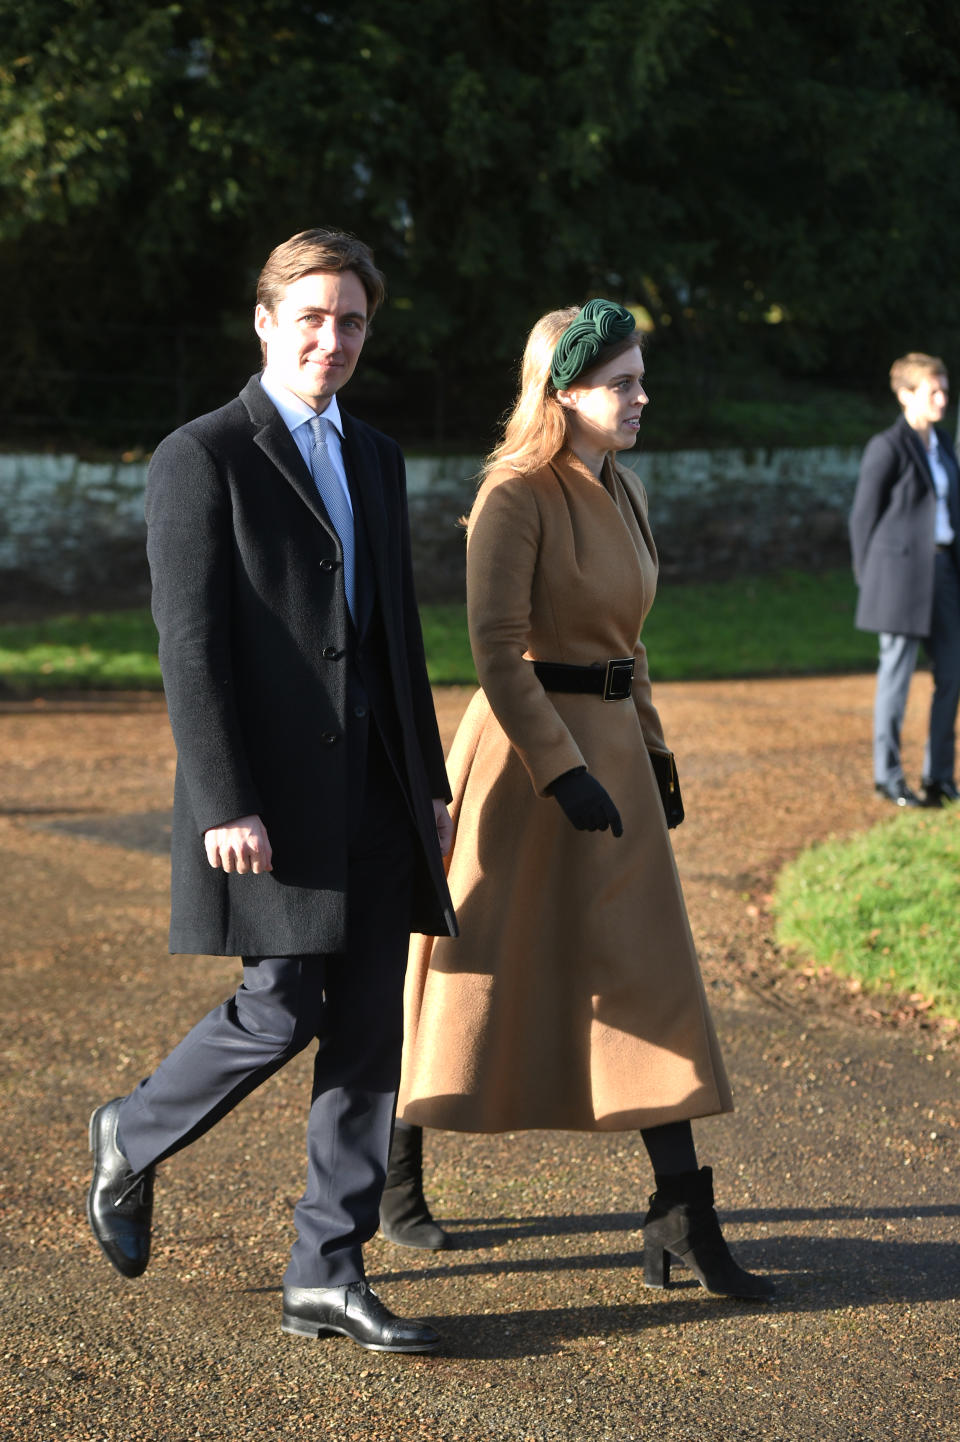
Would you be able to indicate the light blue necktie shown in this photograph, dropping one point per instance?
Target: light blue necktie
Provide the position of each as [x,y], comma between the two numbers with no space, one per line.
[338,507]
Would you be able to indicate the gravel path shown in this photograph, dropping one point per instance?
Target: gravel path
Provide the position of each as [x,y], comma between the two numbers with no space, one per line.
[838,1172]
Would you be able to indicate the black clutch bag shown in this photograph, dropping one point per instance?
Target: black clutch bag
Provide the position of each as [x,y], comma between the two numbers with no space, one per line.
[665,771]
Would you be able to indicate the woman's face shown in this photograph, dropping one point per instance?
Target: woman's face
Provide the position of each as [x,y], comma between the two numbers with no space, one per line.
[605,414]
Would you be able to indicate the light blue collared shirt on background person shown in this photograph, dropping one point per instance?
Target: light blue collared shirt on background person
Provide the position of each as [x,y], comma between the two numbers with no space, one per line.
[297,415]
[941,484]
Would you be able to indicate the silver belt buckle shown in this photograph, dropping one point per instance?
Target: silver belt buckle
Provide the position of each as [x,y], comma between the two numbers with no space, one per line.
[618,682]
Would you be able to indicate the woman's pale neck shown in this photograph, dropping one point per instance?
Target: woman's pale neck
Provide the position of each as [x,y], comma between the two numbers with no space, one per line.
[591,458]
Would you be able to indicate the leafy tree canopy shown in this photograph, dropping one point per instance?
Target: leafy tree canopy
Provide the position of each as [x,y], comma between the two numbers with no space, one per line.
[775,183]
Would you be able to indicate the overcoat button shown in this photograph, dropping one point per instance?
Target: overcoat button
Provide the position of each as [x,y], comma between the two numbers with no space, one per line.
[330,653]
[327,565]
[329,738]
[359,712]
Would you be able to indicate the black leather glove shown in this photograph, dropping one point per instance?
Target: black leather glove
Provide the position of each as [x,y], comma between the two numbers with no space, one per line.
[586,804]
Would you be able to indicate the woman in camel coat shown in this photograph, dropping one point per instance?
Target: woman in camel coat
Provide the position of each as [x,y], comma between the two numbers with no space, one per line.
[573,998]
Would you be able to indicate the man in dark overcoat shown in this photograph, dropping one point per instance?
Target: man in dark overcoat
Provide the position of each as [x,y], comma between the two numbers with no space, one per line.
[905,538]
[309,803]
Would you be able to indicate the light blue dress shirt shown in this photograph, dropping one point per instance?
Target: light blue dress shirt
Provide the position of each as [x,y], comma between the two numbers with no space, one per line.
[941,484]
[297,415]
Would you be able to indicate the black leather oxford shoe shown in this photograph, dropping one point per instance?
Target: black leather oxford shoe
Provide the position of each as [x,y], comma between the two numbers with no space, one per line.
[354,1311]
[120,1201]
[898,792]
[935,793]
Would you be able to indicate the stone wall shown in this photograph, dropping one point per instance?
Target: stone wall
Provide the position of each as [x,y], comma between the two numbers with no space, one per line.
[713,513]
[72,532]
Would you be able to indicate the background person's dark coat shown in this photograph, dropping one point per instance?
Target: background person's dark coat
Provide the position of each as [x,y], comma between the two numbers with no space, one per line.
[892,526]
[253,640]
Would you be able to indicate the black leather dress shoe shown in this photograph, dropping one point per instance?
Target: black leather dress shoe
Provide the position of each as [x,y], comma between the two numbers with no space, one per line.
[354,1311]
[898,792]
[120,1200]
[935,793]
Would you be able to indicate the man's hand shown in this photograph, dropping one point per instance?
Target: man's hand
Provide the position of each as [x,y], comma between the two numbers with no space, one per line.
[444,826]
[241,846]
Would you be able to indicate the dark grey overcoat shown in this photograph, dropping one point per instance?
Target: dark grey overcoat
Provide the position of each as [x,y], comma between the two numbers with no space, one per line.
[253,637]
[892,526]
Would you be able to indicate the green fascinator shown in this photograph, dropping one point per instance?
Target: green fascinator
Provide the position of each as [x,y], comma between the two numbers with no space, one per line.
[598,324]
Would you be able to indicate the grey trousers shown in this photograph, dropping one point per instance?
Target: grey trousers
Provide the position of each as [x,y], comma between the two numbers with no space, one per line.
[898,658]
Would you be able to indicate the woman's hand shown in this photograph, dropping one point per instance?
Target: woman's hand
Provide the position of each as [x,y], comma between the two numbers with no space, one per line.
[585,803]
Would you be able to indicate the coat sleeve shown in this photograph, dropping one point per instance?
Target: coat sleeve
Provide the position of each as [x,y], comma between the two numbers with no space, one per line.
[190,550]
[878,472]
[503,545]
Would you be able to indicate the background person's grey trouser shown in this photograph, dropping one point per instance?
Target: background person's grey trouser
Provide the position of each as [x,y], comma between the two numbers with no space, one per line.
[898,657]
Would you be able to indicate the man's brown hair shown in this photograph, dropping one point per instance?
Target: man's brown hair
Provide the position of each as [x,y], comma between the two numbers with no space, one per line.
[333,251]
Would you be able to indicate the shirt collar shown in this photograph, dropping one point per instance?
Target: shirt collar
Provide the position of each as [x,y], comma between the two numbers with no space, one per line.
[293,411]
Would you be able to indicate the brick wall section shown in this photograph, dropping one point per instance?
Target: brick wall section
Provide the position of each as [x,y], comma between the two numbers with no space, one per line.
[72,530]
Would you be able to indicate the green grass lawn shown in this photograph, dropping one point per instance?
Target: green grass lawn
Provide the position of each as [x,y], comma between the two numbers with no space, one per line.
[790,623]
[883,907]
[116,651]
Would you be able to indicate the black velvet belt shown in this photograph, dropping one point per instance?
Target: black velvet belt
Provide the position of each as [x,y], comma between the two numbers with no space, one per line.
[613,680]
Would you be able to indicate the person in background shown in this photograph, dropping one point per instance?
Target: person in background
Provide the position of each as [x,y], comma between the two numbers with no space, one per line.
[573,998]
[905,540]
[309,805]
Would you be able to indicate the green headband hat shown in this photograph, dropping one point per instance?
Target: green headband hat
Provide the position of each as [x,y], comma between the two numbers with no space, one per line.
[598,324]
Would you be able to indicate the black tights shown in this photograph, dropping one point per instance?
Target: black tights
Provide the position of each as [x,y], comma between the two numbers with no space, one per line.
[670,1148]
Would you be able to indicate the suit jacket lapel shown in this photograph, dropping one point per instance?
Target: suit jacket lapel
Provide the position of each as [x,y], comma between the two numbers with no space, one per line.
[363,473]
[919,452]
[280,448]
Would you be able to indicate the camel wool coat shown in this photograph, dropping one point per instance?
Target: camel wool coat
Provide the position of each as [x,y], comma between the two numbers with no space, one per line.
[573,998]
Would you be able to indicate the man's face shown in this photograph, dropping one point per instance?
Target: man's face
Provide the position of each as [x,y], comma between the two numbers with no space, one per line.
[926,403]
[315,335]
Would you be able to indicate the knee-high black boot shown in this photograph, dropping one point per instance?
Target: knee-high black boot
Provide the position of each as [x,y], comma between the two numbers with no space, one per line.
[682,1223]
[404,1215]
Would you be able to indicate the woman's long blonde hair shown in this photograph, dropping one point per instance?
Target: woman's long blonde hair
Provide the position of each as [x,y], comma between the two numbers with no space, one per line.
[536,428]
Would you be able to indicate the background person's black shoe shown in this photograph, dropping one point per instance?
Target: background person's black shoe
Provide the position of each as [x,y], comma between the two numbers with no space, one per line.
[935,793]
[120,1200]
[354,1311]
[898,792]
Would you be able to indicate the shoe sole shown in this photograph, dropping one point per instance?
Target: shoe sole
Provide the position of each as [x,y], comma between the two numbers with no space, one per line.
[297,1327]
[93,1150]
[400,1241]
